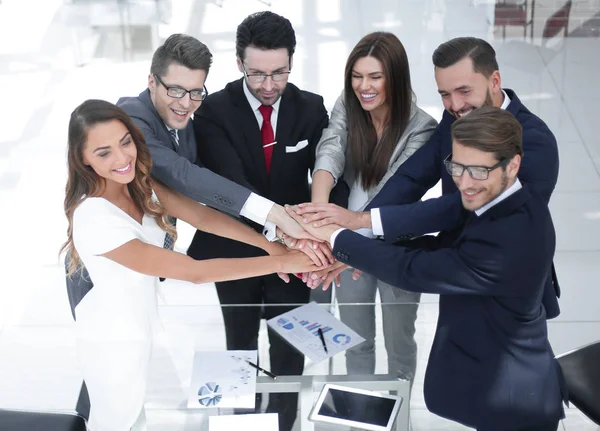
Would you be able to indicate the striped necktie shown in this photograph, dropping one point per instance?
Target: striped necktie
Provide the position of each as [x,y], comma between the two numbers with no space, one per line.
[174,136]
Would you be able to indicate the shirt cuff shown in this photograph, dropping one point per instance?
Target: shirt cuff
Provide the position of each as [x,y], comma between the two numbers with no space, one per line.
[334,236]
[376,222]
[270,231]
[256,208]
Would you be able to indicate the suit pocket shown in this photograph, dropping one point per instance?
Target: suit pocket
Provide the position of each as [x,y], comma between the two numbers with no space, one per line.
[300,145]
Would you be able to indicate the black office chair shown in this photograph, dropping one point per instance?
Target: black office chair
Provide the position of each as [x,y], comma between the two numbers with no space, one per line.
[21,420]
[581,368]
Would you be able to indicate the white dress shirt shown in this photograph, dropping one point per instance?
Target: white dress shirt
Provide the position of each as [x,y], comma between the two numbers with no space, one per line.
[256,207]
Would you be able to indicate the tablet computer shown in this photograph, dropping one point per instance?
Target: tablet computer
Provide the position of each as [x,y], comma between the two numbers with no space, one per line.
[359,408]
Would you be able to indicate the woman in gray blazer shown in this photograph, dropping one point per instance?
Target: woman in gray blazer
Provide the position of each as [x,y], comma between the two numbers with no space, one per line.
[375,126]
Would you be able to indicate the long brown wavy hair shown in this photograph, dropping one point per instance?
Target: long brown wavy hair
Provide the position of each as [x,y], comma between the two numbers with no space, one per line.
[83,182]
[370,158]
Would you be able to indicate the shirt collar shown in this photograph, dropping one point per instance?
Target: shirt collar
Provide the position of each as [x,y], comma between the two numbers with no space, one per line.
[506,101]
[253,101]
[506,193]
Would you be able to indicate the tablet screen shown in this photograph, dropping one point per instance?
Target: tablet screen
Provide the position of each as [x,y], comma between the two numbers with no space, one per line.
[357,407]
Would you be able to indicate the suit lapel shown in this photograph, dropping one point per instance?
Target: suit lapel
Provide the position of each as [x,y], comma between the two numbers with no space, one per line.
[252,137]
[501,209]
[286,119]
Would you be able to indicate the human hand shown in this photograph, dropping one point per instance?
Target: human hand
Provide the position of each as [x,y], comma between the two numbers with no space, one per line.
[323,214]
[295,261]
[319,252]
[321,233]
[328,275]
[276,249]
[280,218]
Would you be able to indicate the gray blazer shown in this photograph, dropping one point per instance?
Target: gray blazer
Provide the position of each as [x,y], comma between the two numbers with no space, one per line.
[333,152]
[176,165]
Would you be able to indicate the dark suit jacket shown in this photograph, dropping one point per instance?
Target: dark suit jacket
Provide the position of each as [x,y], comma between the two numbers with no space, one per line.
[174,165]
[230,144]
[491,366]
[538,171]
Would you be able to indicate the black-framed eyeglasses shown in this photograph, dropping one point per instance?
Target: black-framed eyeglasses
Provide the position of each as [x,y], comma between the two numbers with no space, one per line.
[476,172]
[175,92]
[259,78]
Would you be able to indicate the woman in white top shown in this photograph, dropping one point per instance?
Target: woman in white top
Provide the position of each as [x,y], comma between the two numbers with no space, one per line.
[375,126]
[117,218]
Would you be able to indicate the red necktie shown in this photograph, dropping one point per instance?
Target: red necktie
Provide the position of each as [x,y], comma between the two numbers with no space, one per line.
[268,137]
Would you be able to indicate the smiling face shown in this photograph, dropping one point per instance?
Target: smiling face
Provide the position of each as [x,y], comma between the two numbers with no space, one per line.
[368,83]
[462,89]
[266,62]
[477,193]
[176,112]
[110,151]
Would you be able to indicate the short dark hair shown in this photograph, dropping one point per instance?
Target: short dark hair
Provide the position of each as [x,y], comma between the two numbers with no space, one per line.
[478,50]
[184,50]
[491,130]
[265,30]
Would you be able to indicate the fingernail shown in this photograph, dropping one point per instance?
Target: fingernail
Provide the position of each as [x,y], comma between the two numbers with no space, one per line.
[315,246]
[304,220]
[300,246]
[314,276]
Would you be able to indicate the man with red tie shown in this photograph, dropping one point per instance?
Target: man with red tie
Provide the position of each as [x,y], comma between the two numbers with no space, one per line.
[261,132]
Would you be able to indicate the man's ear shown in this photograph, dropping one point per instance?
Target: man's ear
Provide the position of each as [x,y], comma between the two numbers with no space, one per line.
[240,65]
[151,83]
[496,82]
[514,165]
[291,62]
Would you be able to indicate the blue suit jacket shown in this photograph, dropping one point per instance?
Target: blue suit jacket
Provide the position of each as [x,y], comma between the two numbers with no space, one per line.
[538,171]
[491,366]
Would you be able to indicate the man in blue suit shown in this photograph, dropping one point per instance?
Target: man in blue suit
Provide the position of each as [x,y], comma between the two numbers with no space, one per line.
[491,366]
[467,76]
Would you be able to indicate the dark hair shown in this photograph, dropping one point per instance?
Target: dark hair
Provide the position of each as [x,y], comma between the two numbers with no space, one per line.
[370,158]
[83,182]
[182,49]
[265,30]
[479,51]
[491,130]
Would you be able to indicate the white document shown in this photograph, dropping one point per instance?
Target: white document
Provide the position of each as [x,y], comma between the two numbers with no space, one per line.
[258,422]
[223,379]
[300,328]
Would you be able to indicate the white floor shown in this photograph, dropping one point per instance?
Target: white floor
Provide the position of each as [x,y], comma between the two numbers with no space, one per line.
[48,66]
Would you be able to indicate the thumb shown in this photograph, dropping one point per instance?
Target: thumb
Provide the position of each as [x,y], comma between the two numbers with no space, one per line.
[285,277]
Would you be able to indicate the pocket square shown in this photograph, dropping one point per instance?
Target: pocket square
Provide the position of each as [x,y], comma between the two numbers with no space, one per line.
[300,145]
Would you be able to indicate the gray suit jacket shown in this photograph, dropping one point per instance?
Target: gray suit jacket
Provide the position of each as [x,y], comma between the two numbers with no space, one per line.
[333,154]
[175,165]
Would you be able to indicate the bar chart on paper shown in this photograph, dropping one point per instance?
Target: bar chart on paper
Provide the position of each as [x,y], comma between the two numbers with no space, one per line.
[300,327]
[314,327]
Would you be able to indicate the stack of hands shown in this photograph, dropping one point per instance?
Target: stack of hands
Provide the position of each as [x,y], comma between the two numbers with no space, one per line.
[308,228]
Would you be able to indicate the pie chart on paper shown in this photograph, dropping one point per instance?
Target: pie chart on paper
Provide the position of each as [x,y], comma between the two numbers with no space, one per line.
[210,394]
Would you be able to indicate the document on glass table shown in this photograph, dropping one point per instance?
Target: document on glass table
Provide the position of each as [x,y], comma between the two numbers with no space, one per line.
[314,332]
[252,422]
[223,379]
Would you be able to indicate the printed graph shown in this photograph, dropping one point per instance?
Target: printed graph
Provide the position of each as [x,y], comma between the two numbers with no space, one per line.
[314,327]
[210,394]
